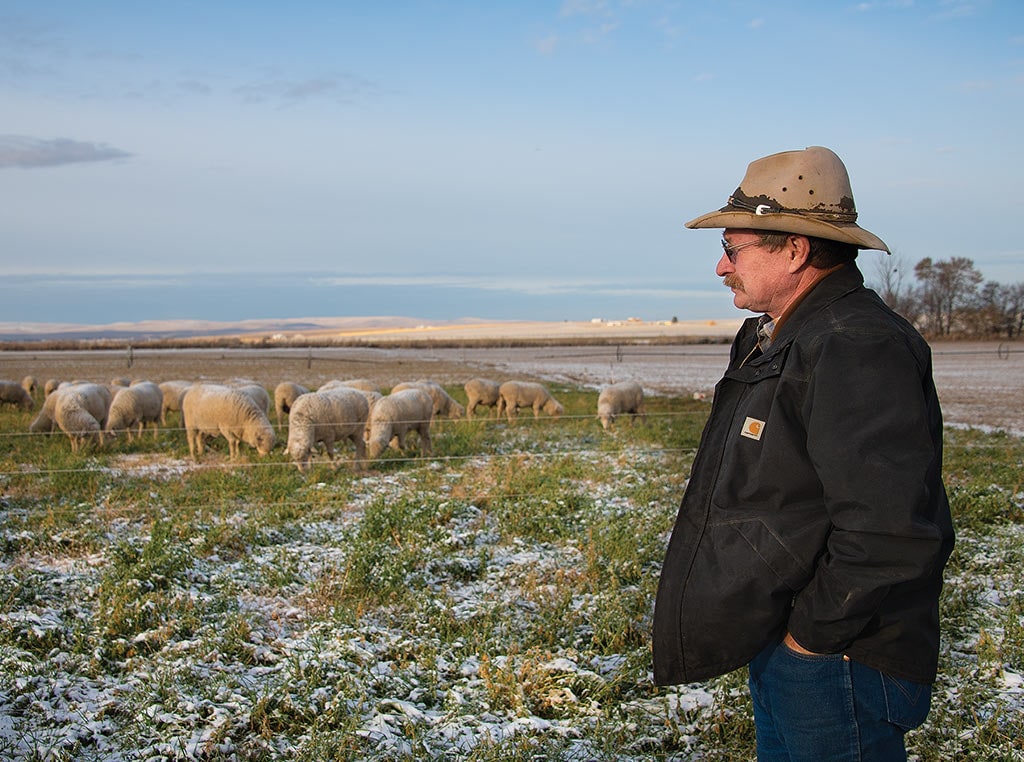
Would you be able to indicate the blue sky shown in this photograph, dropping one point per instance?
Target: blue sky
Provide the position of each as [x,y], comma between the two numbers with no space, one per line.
[536,157]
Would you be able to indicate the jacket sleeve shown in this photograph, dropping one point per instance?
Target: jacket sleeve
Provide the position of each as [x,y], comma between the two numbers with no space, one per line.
[874,439]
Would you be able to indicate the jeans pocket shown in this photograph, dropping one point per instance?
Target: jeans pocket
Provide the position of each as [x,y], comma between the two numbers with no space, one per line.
[906,702]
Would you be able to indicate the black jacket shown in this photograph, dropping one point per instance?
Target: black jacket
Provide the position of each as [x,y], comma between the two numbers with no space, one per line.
[815,501]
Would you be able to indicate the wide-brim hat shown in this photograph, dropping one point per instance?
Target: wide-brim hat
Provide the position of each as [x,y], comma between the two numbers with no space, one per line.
[806,192]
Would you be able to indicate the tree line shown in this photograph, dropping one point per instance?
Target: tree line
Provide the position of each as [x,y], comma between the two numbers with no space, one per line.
[952,299]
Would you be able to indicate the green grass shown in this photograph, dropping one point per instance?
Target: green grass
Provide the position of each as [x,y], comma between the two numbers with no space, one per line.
[256,612]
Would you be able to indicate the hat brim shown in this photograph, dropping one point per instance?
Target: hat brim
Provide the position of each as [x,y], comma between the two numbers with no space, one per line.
[782,222]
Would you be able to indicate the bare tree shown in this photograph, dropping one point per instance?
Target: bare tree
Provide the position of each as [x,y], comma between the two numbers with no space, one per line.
[890,283]
[947,289]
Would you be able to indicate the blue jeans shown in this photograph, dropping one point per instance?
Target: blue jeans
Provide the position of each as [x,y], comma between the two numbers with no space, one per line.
[830,709]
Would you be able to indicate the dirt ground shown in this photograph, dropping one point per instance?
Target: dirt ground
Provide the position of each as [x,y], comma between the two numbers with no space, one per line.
[980,384]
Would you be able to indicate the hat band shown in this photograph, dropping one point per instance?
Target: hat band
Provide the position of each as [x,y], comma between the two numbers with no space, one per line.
[762,210]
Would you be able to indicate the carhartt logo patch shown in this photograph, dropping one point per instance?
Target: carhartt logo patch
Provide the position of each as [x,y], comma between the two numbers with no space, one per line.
[752,428]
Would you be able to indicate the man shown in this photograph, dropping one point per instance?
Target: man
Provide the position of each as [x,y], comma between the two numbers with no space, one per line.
[814,529]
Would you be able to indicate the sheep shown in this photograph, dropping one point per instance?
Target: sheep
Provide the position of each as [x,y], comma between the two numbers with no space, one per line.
[513,395]
[396,414]
[12,393]
[120,381]
[327,417]
[619,399]
[481,391]
[172,393]
[258,394]
[50,386]
[29,384]
[285,394]
[444,404]
[363,384]
[45,421]
[80,411]
[136,405]
[210,410]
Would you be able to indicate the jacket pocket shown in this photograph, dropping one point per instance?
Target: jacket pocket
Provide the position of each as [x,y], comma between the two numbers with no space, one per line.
[773,552]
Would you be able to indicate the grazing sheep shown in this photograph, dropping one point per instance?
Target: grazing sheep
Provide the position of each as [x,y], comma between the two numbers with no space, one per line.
[50,386]
[481,391]
[121,381]
[29,384]
[444,404]
[12,393]
[513,395]
[363,384]
[327,417]
[210,410]
[172,392]
[80,411]
[285,394]
[135,406]
[45,421]
[395,415]
[625,397]
[258,394]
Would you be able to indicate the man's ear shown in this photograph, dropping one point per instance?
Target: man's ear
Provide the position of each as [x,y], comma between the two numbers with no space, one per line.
[798,252]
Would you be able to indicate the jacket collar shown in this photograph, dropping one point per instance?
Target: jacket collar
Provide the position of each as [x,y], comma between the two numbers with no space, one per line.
[832,285]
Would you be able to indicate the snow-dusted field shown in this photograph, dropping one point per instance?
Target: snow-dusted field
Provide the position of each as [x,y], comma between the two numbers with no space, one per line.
[278,677]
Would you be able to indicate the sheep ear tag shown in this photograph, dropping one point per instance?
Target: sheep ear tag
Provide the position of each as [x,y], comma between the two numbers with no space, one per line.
[752,428]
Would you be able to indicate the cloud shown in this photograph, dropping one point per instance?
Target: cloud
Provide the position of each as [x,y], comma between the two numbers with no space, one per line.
[340,88]
[546,45]
[756,23]
[584,8]
[955,9]
[27,153]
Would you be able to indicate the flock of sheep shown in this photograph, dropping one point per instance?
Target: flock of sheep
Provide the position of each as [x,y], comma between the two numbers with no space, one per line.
[238,410]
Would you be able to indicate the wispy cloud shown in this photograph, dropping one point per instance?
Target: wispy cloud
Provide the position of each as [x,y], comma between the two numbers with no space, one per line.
[337,88]
[584,8]
[955,9]
[882,5]
[26,152]
[546,45]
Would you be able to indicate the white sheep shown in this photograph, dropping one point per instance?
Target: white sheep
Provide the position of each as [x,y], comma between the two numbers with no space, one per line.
[513,395]
[45,421]
[210,410]
[50,386]
[80,411]
[29,384]
[481,391]
[172,392]
[327,417]
[135,406]
[625,397]
[285,394]
[395,415]
[444,404]
[363,384]
[12,393]
[258,394]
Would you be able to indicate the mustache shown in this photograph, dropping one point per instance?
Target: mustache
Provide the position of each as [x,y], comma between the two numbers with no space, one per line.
[733,281]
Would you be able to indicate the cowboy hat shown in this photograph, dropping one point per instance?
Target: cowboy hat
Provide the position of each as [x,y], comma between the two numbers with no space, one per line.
[806,192]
